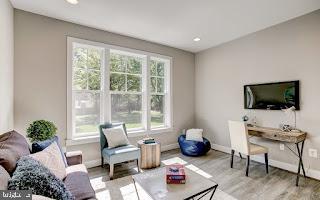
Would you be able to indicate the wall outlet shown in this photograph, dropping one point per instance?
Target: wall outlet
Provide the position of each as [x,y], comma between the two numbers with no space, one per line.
[313,153]
[281,147]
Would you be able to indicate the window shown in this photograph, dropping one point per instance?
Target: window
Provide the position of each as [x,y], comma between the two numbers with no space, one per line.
[86,89]
[113,84]
[126,88]
[158,91]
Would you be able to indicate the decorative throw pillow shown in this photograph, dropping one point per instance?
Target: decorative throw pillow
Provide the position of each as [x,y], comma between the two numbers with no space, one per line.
[4,178]
[12,147]
[32,175]
[41,145]
[51,158]
[194,135]
[116,137]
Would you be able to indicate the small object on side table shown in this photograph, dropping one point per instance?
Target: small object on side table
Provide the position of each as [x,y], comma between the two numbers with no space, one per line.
[150,154]
[148,140]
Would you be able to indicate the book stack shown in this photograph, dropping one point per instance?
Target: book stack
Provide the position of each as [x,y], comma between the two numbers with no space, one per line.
[175,174]
[148,141]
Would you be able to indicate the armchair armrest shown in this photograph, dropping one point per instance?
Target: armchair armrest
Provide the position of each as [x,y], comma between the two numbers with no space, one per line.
[74,157]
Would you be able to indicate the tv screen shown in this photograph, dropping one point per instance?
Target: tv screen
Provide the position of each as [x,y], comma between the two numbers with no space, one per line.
[272,96]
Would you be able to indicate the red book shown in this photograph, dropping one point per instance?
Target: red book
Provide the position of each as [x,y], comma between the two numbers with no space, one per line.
[175,174]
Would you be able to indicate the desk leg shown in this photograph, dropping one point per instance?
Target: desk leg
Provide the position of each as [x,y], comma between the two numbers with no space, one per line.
[300,152]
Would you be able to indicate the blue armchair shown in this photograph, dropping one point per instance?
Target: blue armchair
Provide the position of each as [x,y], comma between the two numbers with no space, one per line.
[118,154]
[193,148]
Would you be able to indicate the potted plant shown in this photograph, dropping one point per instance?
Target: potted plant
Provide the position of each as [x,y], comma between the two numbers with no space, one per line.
[41,130]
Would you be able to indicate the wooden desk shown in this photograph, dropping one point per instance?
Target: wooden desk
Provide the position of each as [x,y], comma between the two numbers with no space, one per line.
[287,137]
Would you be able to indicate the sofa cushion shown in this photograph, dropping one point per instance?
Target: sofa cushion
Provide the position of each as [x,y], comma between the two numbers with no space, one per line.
[41,145]
[4,178]
[51,158]
[32,175]
[12,147]
[76,168]
[78,182]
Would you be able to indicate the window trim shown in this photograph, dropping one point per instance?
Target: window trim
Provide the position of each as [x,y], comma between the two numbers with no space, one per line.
[106,93]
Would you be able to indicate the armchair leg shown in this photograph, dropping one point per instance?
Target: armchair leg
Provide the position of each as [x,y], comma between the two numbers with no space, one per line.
[248,163]
[266,161]
[111,170]
[102,161]
[232,153]
[240,155]
[138,165]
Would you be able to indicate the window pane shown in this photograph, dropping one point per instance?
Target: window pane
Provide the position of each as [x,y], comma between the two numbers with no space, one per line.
[94,59]
[94,80]
[117,63]
[87,112]
[153,67]
[79,79]
[160,69]
[157,107]
[127,108]
[117,82]
[134,83]
[153,84]
[79,57]
[134,65]
[160,85]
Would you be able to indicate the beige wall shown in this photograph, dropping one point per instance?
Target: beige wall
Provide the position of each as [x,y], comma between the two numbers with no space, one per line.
[6,66]
[288,51]
[41,75]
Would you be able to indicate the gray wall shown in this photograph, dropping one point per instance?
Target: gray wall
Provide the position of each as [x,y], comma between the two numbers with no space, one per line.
[41,76]
[6,66]
[288,51]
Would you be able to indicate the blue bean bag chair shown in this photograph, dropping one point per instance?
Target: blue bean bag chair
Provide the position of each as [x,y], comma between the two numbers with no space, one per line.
[193,148]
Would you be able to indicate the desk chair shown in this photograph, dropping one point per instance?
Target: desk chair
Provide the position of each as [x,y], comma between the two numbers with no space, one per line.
[118,154]
[240,142]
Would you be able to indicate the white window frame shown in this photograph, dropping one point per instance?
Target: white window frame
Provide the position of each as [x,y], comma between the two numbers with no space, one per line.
[105,98]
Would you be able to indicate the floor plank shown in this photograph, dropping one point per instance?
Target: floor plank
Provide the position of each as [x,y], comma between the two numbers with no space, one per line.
[278,184]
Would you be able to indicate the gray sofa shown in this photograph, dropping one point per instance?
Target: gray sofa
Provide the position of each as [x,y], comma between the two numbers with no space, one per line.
[13,146]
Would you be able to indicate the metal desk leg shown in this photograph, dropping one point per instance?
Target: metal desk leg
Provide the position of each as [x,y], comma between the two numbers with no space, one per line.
[300,152]
[213,191]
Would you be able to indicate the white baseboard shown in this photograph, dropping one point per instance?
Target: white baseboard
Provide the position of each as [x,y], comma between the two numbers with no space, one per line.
[278,164]
[92,163]
[95,163]
[169,147]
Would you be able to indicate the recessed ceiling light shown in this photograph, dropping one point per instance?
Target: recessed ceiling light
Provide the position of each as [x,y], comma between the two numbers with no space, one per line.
[74,2]
[196,39]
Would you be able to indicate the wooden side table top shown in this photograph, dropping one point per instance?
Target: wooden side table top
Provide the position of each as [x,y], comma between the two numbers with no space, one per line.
[277,134]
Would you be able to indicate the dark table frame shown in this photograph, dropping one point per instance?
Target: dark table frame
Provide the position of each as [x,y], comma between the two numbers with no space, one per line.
[204,193]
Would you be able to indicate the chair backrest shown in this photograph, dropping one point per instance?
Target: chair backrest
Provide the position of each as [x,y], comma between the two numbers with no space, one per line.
[239,137]
[103,139]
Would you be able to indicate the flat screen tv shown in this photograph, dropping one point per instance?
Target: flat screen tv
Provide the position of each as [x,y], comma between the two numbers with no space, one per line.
[272,96]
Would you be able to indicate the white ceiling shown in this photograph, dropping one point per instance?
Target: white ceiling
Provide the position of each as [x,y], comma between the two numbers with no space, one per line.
[175,22]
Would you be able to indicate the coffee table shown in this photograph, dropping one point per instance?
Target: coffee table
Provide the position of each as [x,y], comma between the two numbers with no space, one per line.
[154,184]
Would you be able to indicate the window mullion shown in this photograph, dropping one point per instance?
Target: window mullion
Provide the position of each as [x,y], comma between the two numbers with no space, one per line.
[147,104]
[106,88]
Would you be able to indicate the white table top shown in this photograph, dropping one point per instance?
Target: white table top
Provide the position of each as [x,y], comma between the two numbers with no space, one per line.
[154,183]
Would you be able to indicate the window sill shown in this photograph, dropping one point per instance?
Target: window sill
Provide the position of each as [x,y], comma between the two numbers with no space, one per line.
[131,134]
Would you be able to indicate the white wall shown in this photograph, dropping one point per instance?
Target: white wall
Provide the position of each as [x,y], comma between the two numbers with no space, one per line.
[6,66]
[41,75]
[288,51]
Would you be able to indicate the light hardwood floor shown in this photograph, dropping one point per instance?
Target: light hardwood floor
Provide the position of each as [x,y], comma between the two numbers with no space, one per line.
[278,184]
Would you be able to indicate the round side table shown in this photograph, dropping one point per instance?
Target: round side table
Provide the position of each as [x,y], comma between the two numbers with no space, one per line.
[150,155]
